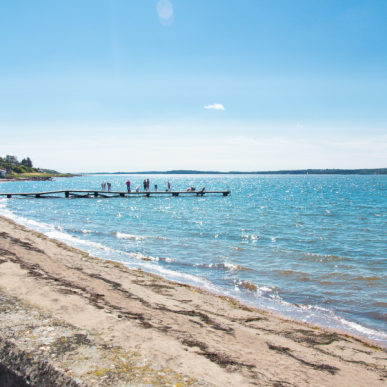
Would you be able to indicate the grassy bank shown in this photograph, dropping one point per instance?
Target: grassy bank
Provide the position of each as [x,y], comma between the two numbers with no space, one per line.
[36,175]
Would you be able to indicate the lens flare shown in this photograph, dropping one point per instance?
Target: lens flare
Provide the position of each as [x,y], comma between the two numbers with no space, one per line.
[165,11]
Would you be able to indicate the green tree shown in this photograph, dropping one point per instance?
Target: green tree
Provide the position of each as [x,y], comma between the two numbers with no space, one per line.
[11,160]
[27,162]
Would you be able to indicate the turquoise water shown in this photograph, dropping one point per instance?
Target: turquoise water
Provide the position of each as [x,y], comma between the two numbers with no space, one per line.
[313,248]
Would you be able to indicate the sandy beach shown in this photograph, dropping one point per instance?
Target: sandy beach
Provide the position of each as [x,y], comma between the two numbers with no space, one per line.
[71,319]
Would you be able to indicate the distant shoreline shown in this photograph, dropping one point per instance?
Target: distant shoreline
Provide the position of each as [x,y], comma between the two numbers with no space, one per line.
[375,171]
[43,177]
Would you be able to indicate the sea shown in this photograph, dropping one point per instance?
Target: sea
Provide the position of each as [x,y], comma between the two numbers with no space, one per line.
[309,247]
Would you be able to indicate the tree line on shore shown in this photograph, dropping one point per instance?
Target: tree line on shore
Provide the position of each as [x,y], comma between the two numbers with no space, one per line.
[12,165]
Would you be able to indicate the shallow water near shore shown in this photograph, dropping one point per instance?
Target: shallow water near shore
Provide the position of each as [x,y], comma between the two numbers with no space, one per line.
[312,248]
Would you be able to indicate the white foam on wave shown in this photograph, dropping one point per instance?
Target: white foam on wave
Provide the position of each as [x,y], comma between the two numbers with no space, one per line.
[170,260]
[121,235]
[54,234]
[181,277]
[222,266]
[231,266]
[143,257]
[363,330]
[316,307]
[266,288]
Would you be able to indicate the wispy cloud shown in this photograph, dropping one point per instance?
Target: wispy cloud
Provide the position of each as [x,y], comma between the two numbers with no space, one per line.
[215,106]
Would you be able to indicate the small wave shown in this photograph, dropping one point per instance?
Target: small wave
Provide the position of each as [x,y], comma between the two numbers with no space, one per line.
[222,266]
[84,242]
[167,259]
[143,257]
[233,266]
[377,335]
[247,285]
[148,258]
[315,307]
[121,235]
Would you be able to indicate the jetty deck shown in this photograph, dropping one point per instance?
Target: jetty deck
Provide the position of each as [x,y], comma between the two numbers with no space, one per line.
[106,194]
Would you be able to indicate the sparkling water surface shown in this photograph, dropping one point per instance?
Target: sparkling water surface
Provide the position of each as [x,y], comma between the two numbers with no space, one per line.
[311,247]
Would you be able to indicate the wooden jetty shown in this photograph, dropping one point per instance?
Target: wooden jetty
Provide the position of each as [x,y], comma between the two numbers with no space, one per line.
[107,194]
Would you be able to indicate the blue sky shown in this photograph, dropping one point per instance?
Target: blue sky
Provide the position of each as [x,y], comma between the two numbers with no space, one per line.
[122,85]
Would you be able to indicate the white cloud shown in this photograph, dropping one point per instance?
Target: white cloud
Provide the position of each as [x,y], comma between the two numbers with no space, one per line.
[215,106]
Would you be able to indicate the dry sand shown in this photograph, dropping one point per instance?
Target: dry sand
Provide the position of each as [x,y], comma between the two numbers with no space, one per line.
[87,321]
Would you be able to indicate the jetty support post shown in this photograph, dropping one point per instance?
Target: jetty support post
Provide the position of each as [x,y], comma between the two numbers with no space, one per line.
[95,194]
[148,194]
[225,193]
[122,195]
[37,196]
[67,194]
[9,196]
[175,194]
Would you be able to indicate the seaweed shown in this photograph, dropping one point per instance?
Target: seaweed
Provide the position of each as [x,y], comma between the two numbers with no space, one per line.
[321,367]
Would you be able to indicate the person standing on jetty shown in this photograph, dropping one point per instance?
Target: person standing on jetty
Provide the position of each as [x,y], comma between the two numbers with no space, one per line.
[144,185]
[102,185]
[156,187]
[169,186]
[128,185]
[147,185]
[109,186]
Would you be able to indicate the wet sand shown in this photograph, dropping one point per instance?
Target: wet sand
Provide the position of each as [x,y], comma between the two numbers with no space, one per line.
[98,323]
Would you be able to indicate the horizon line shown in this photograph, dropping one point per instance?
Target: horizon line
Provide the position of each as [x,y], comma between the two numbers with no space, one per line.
[330,171]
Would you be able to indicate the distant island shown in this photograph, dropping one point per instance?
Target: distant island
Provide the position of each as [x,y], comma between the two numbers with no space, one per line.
[375,171]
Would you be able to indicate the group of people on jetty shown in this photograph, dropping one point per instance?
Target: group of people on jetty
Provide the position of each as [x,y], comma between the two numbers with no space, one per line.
[146,185]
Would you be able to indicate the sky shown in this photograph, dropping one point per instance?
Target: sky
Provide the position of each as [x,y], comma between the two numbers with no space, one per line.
[248,85]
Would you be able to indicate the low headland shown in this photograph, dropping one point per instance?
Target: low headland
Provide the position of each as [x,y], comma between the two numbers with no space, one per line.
[70,319]
[11,169]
